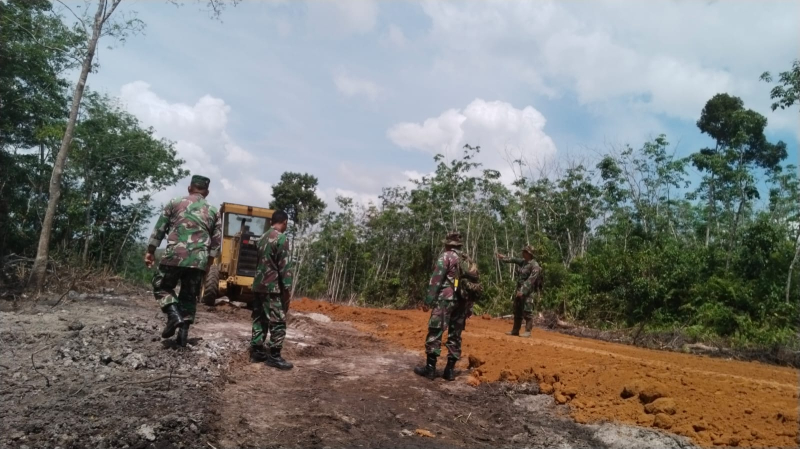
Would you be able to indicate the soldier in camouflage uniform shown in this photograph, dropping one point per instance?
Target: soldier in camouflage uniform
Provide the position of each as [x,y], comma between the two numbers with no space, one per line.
[450,309]
[193,230]
[528,273]
[272,288]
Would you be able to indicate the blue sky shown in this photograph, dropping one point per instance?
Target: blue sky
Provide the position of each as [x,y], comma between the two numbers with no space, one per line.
[363,93]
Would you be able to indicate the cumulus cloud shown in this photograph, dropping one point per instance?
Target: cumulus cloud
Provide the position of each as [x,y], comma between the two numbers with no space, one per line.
[237,154]
[202,141]
[352,86]
[503,132]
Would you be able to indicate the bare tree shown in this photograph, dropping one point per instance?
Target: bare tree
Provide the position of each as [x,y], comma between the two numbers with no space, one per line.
[100,28]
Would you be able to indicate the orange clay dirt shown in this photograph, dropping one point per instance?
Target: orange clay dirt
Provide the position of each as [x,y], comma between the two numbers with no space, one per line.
[712,401]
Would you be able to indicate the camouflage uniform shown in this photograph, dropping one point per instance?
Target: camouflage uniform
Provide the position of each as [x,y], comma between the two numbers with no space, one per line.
[271,285]
[193,230]
[449,310]
[527,273]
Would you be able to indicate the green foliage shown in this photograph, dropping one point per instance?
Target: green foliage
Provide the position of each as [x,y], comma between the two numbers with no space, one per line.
[296,194]
[787,93]
[36,48]
[115,166]
[620,245]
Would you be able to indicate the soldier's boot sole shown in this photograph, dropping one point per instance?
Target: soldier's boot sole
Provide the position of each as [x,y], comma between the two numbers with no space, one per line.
[525,335]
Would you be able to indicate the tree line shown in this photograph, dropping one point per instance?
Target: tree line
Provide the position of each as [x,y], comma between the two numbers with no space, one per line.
[630,239]
[626,239]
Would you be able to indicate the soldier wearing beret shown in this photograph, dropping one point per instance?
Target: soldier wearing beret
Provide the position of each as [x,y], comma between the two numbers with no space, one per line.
[193,230]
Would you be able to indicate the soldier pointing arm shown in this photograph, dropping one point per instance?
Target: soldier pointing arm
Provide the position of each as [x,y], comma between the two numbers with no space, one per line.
[527,273]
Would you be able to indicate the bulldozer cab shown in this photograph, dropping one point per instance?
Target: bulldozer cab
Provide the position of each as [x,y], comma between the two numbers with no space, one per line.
[233,270]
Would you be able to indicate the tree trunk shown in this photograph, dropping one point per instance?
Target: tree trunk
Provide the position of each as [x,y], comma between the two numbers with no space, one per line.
[791,267]
[39,270]
[296,275]
[127,234]
[88,222]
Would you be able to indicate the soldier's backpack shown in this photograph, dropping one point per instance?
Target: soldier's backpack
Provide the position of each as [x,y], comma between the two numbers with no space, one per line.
[468,281]
[538,283]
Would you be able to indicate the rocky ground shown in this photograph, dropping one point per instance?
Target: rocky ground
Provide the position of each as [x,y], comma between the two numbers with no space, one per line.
[91,371]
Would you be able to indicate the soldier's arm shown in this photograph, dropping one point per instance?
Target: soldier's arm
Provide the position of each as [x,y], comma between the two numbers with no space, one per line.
[216,237]
[514,260]
[161,229]
[437,279]
[284,264]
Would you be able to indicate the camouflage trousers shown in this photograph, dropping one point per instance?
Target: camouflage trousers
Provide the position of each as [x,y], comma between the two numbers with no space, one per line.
[191,280]
[268,317]
[452,316]
[523,307]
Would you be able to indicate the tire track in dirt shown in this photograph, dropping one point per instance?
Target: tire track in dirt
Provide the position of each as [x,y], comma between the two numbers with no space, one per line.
[712,401]
[350,389]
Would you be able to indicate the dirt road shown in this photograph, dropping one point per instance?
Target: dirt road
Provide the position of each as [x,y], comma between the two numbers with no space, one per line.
[92,372]
[711,401]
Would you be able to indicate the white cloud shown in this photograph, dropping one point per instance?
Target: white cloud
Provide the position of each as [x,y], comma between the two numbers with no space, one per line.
[435,135]
[503,132]
[237,154]
[342,17]
[208,117]
[202,141]
[359,197]
[613,51]
[352,86]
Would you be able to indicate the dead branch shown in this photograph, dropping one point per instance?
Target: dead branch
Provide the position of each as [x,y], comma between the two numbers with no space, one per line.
[69,289]
[47,379]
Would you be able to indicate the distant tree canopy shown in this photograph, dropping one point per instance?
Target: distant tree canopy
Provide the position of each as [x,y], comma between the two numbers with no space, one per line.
[626,241]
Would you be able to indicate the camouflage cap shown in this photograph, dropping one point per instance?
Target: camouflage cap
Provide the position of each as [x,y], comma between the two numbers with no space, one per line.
[452,239]
[529,249]
[200,181]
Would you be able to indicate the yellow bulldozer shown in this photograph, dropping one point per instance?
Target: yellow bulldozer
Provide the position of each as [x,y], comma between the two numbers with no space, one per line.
[233,270]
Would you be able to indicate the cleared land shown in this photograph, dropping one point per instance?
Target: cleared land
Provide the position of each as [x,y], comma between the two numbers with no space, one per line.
[91,371]
[712,401]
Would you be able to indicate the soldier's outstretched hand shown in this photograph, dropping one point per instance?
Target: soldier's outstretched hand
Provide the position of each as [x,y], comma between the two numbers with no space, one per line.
[149,260]
[500,256]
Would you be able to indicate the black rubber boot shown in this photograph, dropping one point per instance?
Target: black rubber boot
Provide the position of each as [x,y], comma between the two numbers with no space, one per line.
[258,354]
[275,360]
[183,334]
[515,329]
[429,370]
[174,320]
[450,370]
